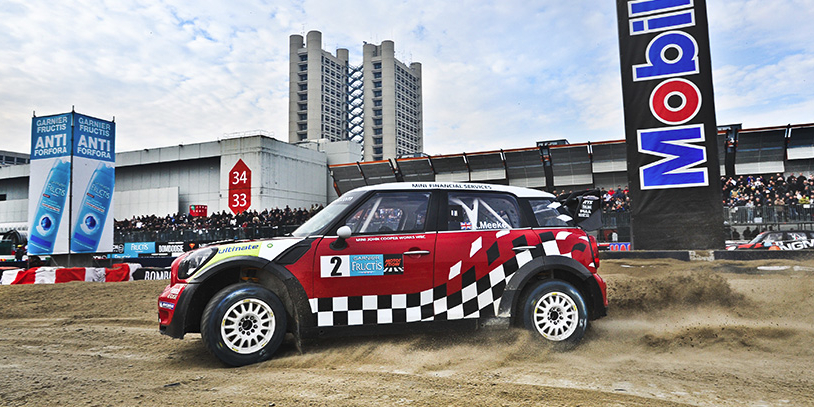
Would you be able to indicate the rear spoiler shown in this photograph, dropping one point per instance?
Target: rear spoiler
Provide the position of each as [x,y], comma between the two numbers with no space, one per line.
[585,207]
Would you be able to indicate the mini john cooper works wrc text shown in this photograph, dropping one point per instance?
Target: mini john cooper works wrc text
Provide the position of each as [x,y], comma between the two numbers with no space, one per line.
[397,257]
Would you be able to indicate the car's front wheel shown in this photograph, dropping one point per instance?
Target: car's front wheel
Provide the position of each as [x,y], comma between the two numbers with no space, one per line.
[243,324]
[556,310]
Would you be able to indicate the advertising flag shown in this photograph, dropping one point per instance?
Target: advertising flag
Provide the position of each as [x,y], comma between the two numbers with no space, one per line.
[670,125]
[49,184]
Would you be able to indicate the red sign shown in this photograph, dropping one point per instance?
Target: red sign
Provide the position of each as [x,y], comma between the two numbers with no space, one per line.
[197,211]
[240,187]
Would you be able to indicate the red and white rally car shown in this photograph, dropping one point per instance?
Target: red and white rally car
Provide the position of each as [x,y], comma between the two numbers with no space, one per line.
[396,257]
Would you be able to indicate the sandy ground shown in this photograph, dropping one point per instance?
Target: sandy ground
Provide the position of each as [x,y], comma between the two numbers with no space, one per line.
[678,333]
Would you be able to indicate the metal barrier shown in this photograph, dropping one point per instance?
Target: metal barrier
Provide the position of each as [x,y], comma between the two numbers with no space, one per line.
[202,235]
[798,216]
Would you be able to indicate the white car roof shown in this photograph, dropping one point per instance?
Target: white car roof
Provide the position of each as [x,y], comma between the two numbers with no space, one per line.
[520,192]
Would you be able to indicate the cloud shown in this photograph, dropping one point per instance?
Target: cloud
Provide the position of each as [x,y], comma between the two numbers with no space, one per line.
[496,74]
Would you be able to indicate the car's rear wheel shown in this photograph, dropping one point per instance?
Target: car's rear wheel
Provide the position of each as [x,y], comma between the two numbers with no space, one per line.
[243,324]
[556,310]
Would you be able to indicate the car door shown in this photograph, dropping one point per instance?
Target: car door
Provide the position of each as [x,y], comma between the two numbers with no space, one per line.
[484,243]
[378,274]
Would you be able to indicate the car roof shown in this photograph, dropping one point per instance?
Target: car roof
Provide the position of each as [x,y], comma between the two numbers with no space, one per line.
[520,192]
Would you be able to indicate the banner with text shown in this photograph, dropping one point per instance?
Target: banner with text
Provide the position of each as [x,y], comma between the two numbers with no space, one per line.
[48,184]
[670,125]
[94,177]
[71,184]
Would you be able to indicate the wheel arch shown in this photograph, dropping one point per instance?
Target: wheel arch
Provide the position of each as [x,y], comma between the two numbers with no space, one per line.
[551,267]
[275,278]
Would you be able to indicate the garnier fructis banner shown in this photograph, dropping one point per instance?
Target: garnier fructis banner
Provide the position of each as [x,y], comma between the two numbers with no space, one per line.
[71,185]
[93,180]
[49,184]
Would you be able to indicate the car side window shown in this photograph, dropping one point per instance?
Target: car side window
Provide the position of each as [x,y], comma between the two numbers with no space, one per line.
[473,211]
[797,236]
[773,237]
[388,212]
[548,212]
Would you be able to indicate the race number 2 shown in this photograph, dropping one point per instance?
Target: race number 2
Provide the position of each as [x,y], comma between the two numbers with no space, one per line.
[334,266]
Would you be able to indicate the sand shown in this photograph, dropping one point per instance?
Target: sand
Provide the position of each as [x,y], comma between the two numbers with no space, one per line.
[720,333]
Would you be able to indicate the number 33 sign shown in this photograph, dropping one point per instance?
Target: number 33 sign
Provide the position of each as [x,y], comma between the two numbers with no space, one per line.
[240,187]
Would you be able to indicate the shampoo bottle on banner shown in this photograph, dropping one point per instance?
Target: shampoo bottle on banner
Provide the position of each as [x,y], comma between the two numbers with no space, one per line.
[50,208]
[93,212]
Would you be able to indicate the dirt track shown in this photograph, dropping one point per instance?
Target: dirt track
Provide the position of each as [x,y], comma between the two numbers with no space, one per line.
[678,333]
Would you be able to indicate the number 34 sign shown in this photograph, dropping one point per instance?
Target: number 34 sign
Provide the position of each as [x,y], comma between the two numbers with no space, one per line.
[240,187]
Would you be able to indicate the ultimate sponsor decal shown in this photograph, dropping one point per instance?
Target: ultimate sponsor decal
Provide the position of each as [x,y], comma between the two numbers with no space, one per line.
[239,248]
[356,265]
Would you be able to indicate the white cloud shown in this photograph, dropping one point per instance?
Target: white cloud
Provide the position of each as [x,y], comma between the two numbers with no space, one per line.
[497,74]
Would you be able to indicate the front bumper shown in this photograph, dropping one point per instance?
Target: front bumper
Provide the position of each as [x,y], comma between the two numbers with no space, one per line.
[173,305]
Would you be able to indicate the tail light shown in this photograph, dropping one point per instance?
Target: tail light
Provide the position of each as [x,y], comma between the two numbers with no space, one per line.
[594,250]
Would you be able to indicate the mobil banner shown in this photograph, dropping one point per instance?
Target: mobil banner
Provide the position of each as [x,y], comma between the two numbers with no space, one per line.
[71,184]
[49,185]
[670,125]
[93,181]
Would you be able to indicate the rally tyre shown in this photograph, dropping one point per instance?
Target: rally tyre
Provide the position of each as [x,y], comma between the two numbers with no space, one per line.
[556,311]
[243,324]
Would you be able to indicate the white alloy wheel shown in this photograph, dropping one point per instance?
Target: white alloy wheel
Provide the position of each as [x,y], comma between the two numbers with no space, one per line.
[247,326]
[556,316]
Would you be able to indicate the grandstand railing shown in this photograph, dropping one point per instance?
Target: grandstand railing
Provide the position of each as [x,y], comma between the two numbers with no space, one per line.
[798,216]
[203,235]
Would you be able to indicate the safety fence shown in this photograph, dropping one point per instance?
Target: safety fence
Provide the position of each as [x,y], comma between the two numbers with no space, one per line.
[618,223]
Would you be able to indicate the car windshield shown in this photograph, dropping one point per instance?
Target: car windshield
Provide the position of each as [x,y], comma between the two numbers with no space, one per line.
[320,221]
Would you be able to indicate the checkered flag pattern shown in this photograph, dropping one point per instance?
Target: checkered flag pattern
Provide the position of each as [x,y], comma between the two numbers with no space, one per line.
[477,298]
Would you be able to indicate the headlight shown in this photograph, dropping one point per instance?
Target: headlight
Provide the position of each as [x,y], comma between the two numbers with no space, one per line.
[194,261]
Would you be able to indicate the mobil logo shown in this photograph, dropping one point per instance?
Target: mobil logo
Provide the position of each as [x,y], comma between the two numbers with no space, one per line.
[672,58]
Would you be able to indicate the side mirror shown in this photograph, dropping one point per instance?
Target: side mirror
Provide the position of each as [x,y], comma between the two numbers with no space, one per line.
[343,232]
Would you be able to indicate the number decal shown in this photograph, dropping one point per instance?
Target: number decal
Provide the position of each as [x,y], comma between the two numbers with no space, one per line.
[239,177]
[336,261]
[334,266]
[239,200]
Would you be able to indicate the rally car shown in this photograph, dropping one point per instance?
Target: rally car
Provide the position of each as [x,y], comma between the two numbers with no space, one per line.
[397,257]
[779,240]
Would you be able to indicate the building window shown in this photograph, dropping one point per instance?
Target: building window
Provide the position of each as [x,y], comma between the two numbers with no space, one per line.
[377,103]
[304,67]
[303,117]
[377,112]
[377,93]
[377,150]
[377,131]
[377,84]
[377,122]
[303,77]
[377,140]
[377,65]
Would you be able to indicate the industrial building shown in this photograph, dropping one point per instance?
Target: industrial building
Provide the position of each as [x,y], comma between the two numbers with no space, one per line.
[573,167]
[168,180]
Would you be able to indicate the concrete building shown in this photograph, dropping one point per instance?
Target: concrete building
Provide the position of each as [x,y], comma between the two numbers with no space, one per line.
[392,104]
[167,180]
[378,103]
[318,91]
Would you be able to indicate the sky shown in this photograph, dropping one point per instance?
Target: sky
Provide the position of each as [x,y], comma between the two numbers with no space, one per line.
[496,74]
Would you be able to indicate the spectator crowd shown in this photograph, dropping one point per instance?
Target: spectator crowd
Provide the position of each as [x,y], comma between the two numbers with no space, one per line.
[219,220]
[757,191]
